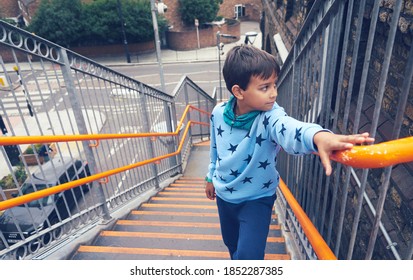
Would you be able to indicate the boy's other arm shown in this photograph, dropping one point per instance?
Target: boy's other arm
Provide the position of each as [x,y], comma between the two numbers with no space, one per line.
[328,142]
[210,190]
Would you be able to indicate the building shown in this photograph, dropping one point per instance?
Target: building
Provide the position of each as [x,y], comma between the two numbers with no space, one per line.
[21,11]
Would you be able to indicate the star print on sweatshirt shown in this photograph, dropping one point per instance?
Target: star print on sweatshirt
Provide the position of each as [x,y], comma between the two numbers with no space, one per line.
[243,163]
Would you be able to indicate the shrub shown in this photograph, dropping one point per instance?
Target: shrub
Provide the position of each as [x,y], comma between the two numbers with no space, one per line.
[59,21]
[8,183]
[203,10]
[29,150]
[73,23]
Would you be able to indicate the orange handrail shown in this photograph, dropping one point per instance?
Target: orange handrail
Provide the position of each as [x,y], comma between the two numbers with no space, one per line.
[320,247]
[12,202]
[14,140]
[377,156]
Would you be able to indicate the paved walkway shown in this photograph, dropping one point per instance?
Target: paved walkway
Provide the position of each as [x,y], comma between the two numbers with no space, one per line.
[172,56]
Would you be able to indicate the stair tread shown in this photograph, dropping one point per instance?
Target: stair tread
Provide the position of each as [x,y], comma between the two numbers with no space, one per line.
[185,236]
[169,253]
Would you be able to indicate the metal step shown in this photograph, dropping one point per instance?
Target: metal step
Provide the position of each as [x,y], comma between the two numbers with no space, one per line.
[178,223]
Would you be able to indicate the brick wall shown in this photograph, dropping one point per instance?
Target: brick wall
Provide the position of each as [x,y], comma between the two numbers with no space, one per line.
[253,9]
[109,50]
[173,15]
[252,12]
[188,40]
[9,8]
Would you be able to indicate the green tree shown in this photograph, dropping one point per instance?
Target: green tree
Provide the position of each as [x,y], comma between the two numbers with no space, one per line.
[59,21]
[138,21]
[70,23]
[104,25]
[102,22]
[203,10]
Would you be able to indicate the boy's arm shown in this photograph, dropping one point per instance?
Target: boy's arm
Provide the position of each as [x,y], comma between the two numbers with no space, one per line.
[209,188]
[327,143]
[295,137]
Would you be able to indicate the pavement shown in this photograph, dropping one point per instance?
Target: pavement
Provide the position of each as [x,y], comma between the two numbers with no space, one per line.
[172,56]
[167,56]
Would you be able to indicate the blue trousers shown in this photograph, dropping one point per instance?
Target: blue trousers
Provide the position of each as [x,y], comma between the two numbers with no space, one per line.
[245,227]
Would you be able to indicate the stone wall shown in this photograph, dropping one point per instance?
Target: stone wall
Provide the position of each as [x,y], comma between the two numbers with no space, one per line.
[283,17]
[398,207]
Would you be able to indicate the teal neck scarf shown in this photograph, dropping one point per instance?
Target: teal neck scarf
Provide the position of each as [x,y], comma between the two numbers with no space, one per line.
[244,121]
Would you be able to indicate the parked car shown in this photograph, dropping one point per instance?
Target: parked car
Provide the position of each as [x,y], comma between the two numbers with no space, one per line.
[22,221]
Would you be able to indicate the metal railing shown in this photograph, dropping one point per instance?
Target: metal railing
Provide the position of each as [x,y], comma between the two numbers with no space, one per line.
[344,74]
[19,250]
[26,198]
[47,90]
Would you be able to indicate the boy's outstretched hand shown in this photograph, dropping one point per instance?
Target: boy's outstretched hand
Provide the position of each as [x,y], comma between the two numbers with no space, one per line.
[328,142]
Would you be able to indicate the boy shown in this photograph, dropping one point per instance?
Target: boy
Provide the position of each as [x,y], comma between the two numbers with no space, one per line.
[247,132]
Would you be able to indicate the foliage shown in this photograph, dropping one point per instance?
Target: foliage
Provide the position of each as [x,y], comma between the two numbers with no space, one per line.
[8,183]
[203,10]
[59,21]
[102,22]
[29,149]
[96,22]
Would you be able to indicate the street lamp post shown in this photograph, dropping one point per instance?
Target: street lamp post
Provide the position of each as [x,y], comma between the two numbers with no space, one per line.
[154,9]
[220,47]
[125,42]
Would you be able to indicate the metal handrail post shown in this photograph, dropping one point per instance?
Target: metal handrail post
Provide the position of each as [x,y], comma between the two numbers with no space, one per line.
[81,125]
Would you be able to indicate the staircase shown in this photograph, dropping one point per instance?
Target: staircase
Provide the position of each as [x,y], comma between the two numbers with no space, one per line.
[178,223]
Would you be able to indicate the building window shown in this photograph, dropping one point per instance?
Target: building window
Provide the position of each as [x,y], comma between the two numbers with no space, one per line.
[239,11]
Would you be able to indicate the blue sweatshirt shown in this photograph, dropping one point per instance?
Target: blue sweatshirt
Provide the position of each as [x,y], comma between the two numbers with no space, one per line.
[243,162]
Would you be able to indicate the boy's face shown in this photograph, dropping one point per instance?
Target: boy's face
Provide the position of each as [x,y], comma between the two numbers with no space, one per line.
[259,95]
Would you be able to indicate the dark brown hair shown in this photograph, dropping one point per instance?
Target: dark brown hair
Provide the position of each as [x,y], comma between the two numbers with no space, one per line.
[246,61]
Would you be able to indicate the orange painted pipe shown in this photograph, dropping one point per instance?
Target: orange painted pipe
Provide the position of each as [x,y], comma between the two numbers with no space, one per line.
[320,247]
[377,156]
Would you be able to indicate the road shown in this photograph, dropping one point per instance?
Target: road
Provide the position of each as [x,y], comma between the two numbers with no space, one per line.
[204,74]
